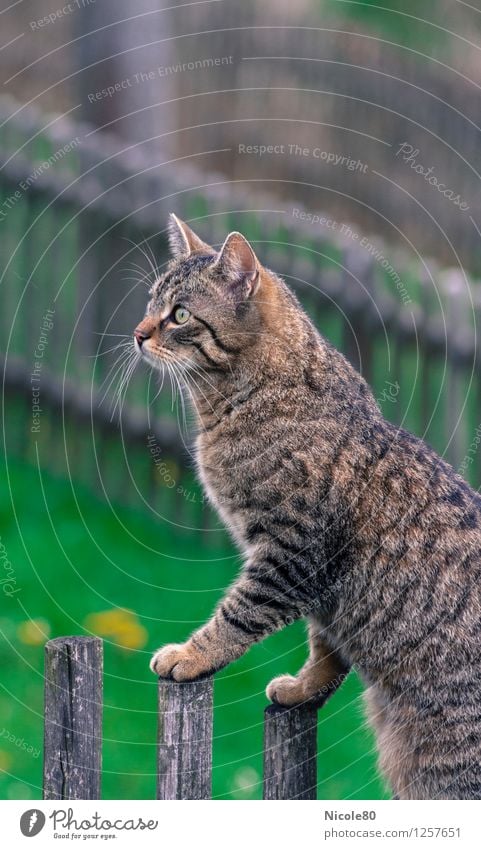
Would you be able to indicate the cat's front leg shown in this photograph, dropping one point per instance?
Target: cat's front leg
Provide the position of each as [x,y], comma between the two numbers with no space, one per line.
[321,675]
[247,614]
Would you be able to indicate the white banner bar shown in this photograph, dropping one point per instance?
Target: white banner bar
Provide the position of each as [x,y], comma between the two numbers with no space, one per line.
[237,824]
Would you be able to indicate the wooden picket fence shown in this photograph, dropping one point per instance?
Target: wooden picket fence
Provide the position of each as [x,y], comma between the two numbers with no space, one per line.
[73,733]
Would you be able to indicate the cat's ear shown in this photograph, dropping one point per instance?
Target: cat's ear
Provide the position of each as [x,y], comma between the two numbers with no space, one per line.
[182,239]
[238,263]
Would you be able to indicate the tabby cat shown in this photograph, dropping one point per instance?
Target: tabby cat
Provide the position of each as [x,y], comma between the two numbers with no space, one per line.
[345,520]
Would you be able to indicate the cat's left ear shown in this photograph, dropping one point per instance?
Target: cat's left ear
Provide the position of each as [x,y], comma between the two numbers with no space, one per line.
[238,263]
[183,240]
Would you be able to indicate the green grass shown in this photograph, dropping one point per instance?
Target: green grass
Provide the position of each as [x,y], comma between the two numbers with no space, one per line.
[72,557]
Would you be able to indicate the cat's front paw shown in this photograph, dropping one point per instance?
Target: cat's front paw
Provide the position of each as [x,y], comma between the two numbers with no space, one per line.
[179,661]
[286,691]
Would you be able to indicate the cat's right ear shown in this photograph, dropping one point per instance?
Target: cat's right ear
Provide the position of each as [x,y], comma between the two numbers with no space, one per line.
[237,262]
[183,240]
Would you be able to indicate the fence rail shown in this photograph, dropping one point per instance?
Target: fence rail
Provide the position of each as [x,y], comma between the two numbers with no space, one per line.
[345,89]
[317,76]
[73,733]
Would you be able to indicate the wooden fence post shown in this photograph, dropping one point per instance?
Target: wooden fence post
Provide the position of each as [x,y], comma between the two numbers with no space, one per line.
[290,752]
[73,718]
[185,740]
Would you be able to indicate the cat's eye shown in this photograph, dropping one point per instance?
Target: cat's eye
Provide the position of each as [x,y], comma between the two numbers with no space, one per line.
[181,315]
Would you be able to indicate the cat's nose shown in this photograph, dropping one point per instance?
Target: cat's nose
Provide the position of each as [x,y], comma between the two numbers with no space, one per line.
[140,336]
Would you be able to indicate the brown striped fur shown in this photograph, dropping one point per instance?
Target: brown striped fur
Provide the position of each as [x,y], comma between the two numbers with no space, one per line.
[345,520]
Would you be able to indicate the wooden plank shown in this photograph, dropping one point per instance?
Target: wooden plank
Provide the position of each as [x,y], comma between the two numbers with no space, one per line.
[185,740]
[73,718]
[290,752]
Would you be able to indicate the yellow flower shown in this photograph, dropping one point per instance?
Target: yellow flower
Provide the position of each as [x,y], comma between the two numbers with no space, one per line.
[34,632]
[119,625]
[5,760]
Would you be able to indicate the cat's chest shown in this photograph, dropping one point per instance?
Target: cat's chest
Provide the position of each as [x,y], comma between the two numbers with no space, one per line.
[220,484]
[231,469]
[228,481]
[221,494]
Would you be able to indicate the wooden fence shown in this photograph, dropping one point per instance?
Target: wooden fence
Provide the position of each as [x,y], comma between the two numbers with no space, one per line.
[312,74]
[315,79]
[73,733]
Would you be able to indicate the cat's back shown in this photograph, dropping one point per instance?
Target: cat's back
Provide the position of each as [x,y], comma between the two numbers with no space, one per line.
[417,496]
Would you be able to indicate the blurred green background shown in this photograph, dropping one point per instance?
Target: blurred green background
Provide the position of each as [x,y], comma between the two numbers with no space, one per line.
[84,568]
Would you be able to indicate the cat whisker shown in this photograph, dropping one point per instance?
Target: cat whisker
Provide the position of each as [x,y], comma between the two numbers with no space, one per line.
[160,387]
[199,390]
[173,367]
[203,375]
[150,259]
[182,399]
[118,366]
[123,396]
[124,344]
[152,255]
[137,281]
[136,266]
[129,369]
[186,376]
[122,335]
[113,372]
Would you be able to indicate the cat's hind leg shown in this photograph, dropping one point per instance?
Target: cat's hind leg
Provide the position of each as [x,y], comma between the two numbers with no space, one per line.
[320,676]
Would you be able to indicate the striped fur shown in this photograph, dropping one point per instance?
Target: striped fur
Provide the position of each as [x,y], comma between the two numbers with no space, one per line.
[346,521]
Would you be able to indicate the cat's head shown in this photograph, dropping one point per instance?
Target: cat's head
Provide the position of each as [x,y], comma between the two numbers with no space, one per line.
[206,308]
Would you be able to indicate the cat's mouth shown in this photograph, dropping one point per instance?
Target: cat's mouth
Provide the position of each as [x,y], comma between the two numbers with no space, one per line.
[141,347]
[154,359]
[157,358]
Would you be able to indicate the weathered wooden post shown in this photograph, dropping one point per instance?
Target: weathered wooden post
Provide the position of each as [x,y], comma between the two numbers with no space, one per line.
[185,740]
[290,752]
[73,718]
